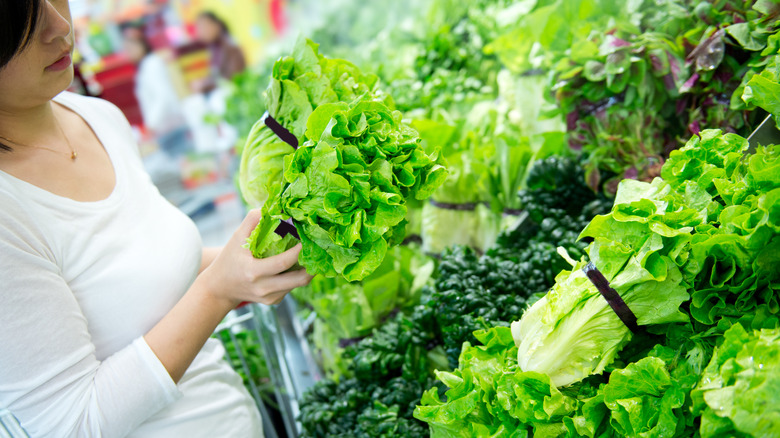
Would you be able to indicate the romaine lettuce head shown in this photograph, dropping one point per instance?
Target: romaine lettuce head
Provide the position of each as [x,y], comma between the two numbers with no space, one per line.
[708,226]
[572,332]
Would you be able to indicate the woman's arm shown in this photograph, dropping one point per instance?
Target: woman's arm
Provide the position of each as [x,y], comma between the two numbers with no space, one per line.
[51,379]
[209,254]
[233,277]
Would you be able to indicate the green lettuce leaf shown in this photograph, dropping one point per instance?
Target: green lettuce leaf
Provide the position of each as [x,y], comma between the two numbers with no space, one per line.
[763,89]
[262,165]
[739,393]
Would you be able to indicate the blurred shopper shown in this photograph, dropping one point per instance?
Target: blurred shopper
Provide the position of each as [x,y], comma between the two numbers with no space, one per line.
[160,105]
[227,59]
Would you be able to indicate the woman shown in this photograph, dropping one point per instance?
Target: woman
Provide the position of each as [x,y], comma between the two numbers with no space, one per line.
[107,299]
[160,105]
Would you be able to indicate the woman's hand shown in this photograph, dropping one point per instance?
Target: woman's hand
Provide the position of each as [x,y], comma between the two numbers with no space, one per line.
[233,277]
[236,276]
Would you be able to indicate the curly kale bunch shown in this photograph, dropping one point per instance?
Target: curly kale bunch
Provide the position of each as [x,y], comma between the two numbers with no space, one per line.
[363,408]
[402,347]
[555,183]
[391,369]
[555,228]
[476,292]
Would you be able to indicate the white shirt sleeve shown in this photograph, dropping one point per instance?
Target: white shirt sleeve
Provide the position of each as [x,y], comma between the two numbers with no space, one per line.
[50,378]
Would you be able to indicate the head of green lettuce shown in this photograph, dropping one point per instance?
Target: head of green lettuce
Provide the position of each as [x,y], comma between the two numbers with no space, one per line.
[345,187]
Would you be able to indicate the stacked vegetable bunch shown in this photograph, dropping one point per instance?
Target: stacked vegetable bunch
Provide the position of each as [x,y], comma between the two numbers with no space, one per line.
[487,167]
[695,257]
[471,292]
[345,187]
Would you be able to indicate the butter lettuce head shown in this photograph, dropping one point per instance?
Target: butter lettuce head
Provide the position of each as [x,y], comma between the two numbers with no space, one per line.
[346,185]
[299,84]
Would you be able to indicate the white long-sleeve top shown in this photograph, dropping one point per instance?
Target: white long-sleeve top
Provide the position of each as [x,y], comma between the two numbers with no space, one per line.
[80,284]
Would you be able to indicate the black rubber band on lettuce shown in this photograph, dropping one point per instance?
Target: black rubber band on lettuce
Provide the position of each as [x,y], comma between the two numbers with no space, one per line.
[286,227]
[513,211]
[280,131]
[612,297]
[466,206]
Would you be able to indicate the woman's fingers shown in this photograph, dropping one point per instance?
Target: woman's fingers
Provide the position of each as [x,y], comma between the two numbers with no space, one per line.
[273,299]
[279,263]
[284,282]
[247,225]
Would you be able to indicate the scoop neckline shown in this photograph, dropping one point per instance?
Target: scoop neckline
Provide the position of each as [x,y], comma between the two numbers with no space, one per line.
[46,196]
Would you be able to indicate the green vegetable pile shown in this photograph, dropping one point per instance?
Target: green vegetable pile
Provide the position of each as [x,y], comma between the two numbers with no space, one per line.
[346,186]
[470,292]
[693,255]
[569,111]
[347,312]
[390,369]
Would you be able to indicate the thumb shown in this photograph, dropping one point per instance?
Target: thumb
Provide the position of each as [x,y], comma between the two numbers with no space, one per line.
[247,225]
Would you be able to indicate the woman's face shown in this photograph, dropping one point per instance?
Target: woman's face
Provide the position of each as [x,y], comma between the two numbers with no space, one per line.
[206,30]
[44,68]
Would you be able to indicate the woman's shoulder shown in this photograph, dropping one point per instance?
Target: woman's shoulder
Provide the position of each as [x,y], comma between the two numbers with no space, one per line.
[93,106]
[99,113]
[19,228]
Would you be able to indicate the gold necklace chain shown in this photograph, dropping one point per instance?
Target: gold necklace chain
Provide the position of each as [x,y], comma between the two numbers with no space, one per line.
[73,154]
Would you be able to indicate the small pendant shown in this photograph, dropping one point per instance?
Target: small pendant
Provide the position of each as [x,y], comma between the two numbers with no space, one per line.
[74,155]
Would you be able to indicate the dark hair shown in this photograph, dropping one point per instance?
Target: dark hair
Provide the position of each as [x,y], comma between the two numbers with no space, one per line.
[18,21]
[137,31]
[215,19]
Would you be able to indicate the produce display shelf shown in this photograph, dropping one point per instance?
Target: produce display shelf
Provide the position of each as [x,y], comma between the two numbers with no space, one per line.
[287,354]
